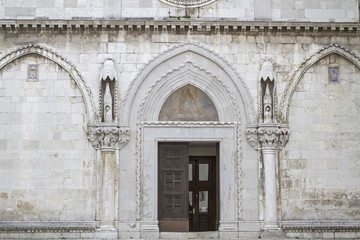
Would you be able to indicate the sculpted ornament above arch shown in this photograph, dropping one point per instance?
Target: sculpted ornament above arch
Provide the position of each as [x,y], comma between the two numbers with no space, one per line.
[188,3]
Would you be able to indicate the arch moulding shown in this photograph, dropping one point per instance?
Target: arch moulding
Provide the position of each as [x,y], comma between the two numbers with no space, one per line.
[308,63]
[199,59]
[69,67]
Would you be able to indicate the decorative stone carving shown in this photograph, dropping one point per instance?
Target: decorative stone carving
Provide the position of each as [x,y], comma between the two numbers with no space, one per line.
[267,72]
[108,116]
[108,91]
[108,137]
[35,229]
[267,100]
[252,136]
[188,3]
[176,50]
[324,227]
[268,116]
[273,137]
[267,136]
[268,133]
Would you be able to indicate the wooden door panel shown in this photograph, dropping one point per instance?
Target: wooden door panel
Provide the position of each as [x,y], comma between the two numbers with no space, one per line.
[173,187]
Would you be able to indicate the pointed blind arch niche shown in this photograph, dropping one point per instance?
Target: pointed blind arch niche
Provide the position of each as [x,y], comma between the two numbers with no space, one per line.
[188,103]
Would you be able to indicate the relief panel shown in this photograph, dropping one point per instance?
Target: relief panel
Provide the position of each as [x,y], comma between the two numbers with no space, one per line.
[188,104]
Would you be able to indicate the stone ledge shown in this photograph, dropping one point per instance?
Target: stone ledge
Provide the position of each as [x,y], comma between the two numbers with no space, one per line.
[179,25]
[321,228]
[45,227]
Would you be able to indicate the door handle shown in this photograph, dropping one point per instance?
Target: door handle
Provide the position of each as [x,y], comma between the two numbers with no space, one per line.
[193,211]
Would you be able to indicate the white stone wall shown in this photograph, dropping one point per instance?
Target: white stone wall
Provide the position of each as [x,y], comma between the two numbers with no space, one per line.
[249,10]
[315,11]
[47,165]
[320,165]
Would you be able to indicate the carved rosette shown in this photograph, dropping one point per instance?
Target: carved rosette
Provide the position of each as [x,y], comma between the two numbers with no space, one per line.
[108,137]
[271,136]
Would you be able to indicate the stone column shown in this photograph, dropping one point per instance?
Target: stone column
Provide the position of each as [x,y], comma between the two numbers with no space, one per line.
[108,185]
[108,139]
[270,213]
[269,139]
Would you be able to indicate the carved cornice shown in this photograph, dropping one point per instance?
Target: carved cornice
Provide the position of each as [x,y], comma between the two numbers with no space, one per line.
[267,136]
[171,24]
[108,137]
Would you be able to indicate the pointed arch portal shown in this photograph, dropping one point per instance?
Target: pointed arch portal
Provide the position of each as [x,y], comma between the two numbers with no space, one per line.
[185,81]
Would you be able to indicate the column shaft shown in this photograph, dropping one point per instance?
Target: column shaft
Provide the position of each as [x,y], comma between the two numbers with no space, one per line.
[270,216]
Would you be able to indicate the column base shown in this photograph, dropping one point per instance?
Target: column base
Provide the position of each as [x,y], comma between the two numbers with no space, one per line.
[271,226]
[106,234]
[106,230]
[272,230]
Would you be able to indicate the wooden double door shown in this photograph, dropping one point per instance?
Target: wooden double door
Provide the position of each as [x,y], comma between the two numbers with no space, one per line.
[188,190]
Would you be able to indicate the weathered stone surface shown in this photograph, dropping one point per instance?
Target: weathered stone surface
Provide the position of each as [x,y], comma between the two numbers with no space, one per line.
[51,139]
[319,165]
[249,10]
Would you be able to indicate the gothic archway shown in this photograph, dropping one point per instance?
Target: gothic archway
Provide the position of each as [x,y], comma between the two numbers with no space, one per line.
[64,63]
[300,71]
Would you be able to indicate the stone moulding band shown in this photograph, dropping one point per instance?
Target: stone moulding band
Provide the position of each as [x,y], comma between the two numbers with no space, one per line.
[200,124]
[44,227]
[321,228]
[179,25]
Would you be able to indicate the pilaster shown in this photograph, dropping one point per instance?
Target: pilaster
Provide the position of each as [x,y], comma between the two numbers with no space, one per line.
[107,139]
[268,137]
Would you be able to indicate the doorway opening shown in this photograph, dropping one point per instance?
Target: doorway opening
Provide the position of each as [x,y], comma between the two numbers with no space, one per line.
[188,186]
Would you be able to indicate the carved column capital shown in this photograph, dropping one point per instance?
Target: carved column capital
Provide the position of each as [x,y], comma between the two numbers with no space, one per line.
[105,136]
[271,136]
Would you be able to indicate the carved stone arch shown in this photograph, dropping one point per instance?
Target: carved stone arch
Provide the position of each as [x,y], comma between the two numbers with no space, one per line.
[308,63]
[64,63]
[189,74]
[202,59]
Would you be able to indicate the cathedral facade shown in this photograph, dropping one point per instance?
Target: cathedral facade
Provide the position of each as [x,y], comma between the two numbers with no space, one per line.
[161,119]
